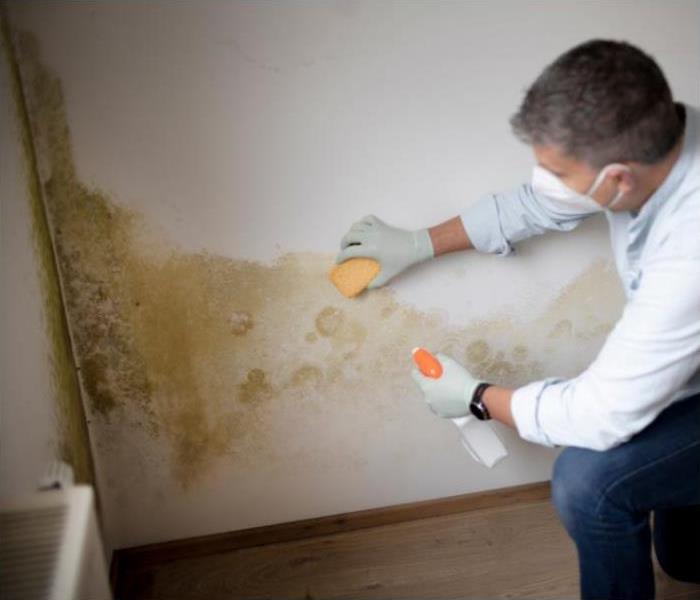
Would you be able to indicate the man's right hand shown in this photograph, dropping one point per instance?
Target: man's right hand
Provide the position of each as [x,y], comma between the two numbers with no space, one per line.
[395,249]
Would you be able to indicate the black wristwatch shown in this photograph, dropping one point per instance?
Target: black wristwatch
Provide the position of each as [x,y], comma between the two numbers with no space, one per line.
[477,405]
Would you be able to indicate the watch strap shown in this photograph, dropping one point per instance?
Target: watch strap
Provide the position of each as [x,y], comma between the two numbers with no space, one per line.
[477,397]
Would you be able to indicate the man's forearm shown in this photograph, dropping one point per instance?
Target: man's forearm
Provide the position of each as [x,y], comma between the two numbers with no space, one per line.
[449,236]
[497,400]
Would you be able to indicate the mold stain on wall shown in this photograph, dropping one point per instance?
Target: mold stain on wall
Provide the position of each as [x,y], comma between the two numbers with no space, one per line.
[204,352]
[72,439]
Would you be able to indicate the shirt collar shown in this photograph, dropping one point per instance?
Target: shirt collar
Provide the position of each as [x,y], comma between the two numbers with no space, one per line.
[675,176]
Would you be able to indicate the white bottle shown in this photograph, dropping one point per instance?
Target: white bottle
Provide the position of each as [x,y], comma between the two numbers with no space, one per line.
[480,440]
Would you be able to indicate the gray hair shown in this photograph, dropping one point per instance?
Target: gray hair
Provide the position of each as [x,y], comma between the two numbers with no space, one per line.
[600,102]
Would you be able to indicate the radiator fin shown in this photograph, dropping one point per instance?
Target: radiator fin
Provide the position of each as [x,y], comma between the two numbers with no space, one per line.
[29,544]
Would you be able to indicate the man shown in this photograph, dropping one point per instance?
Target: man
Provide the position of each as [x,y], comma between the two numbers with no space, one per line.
[607,136]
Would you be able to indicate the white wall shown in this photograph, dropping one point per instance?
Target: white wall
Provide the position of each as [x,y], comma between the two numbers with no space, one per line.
[250,130]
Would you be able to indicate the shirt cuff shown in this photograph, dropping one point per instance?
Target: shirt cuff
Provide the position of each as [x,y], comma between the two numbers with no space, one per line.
[524,405]
[483,226]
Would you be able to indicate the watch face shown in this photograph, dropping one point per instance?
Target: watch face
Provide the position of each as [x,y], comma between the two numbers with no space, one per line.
[476,411]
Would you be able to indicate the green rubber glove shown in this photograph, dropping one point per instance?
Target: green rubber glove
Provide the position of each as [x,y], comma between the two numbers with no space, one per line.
[449,395]
[395,249]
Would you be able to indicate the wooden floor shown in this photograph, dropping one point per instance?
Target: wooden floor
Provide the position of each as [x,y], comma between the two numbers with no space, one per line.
[506,552]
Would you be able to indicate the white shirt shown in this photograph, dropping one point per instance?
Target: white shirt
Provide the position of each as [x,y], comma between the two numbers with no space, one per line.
[652,356]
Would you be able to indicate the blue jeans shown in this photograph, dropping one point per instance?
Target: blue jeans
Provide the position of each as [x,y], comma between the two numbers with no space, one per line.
[604,500]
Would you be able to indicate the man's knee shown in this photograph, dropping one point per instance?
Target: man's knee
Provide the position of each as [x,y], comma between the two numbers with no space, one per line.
[576,485]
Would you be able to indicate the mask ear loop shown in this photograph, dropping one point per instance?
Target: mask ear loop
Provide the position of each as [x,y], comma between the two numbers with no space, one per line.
[599,180]
[615,200]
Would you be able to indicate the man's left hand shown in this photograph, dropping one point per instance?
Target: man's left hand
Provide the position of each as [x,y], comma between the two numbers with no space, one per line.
[449,395]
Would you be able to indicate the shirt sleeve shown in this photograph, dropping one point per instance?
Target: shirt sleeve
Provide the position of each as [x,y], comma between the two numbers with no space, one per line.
[498,220]
[651,353]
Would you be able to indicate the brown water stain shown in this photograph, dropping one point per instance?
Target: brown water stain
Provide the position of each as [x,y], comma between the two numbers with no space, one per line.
[520,353]
[256,388]
[561,329]
[329,320]
[241,322]
[477,351]
[307,375]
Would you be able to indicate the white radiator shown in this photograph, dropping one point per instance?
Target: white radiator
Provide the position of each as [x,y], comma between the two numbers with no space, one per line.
[50,547]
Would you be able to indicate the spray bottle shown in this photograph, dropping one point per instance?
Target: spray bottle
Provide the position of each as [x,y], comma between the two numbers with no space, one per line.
[477,437]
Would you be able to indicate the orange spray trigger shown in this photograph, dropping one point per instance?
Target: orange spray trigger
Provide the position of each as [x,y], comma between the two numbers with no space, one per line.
[427,363]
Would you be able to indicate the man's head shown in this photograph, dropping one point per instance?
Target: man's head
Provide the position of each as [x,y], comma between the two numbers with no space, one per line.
[603,102]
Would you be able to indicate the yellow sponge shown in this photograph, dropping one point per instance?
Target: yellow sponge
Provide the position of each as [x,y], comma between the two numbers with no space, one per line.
[353,275]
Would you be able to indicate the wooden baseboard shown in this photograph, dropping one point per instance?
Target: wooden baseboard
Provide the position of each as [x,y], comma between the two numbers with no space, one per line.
[139,557]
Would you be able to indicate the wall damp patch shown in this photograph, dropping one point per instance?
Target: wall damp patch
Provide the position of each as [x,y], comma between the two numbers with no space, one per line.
[204,354]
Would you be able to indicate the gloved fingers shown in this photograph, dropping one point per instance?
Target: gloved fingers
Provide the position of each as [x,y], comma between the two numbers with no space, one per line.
[378,281]
[445,359]
[352,237]
[360,226]
[452,365]
[425,383]
[417,376]
[354,251]
[370,220]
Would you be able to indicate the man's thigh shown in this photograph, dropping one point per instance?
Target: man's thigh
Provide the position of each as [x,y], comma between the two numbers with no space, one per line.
[659,467]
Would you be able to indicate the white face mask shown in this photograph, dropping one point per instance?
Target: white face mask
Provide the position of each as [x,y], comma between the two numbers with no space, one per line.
[546,183]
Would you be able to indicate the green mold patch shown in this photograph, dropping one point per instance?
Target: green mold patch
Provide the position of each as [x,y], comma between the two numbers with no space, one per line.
[207,353]
[73,443]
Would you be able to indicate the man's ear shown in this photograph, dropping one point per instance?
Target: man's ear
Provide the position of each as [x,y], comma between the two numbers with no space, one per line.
[625,179]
